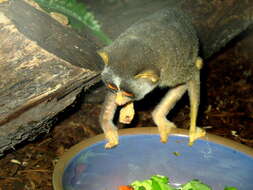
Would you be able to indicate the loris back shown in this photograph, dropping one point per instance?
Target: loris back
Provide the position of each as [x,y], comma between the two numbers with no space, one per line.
[165,41]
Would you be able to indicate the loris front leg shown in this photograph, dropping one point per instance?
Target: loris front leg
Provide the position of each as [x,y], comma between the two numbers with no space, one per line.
[106,120]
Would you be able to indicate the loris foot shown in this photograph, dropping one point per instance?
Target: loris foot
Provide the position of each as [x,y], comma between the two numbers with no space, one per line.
[113,139]
[194,135]
[165,129]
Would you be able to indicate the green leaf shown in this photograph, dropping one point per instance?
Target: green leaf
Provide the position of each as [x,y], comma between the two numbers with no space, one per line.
[230,188]
[138,185]
[155,185]
[195,185]
[160,178]
[73,9]
[162,182]
[142,188]
[157,182]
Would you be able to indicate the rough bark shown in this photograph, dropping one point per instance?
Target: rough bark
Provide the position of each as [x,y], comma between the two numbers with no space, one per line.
[37,80]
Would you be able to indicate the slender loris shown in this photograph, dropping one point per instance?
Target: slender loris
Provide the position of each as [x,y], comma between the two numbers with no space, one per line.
[160,50]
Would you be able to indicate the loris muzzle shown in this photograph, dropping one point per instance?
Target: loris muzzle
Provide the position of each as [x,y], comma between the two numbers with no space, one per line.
[160,50]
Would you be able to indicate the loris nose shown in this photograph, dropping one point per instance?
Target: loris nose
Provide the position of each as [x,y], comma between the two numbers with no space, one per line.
[121,99]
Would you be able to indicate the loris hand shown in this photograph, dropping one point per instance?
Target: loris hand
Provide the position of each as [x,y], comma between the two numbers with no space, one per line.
[111,135]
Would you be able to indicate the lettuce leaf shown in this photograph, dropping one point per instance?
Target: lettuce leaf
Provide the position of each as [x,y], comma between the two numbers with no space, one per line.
[159,182]
[195,185]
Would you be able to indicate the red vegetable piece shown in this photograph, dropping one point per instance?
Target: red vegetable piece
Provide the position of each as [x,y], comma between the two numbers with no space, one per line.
[125,187]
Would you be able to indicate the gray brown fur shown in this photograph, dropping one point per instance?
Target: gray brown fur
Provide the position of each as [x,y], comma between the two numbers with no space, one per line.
[160,50]
[165,42]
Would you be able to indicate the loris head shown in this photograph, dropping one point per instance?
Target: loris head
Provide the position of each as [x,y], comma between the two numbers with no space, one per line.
[128,73]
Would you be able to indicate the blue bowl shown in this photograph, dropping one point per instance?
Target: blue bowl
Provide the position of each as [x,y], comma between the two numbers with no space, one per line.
[215,161]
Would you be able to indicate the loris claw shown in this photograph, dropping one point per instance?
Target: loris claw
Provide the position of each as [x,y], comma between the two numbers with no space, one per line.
[160,50]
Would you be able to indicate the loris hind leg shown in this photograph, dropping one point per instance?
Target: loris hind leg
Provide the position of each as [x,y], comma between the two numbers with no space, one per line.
[163,108]
[194,95]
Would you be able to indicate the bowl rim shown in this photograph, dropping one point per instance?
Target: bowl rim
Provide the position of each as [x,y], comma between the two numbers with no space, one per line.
[69,154]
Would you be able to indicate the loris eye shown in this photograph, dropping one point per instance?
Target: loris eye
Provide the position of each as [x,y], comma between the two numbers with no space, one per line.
[112,86]
[129,94]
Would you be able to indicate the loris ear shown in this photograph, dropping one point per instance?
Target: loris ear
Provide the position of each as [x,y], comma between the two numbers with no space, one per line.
[148,74]
[104,56]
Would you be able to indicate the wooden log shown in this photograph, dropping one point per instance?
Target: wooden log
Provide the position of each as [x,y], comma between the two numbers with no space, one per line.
[37,80]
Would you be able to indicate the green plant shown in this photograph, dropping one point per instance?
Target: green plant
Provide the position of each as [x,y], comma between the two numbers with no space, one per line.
[75,11]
